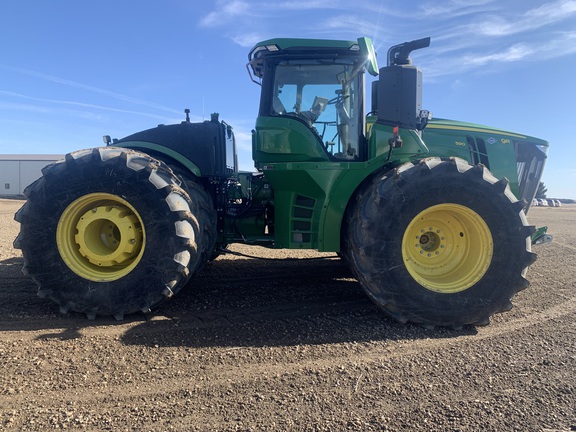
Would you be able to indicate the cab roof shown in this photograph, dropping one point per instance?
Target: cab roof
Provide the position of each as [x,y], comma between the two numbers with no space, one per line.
[312,48]
[296,44]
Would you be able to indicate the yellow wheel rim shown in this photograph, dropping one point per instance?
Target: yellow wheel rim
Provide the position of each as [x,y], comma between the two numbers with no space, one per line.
[447,248]
[100,237]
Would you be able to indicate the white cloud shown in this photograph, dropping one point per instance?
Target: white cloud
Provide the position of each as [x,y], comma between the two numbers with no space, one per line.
[552,11]
[453,9]
[42,105]
[465,34]
[512,54]
[12,106]
[239,17]
[75,84]
[548,13]
[564,44]
[559,45]
[308,5]
[351,24]
[226,11]
[248,40]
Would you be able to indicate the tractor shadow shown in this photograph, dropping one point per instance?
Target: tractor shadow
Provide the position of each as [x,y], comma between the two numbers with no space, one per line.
[21,310]
[254,303]
[230,303]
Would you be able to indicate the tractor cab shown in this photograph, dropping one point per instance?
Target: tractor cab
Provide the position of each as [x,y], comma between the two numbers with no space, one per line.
[312,99]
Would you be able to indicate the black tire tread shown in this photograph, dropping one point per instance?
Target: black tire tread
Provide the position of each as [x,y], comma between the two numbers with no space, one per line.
[97,170]
[377,213]
[206,215]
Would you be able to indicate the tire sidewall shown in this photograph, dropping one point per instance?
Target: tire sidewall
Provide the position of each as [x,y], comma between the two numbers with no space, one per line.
[405,197]
[141,287]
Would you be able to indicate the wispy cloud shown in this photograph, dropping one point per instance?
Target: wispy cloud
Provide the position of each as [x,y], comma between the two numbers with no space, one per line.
[564,43]
[351,24]
[229,10]
[41,105]
[559,45]
[238,18]
[15,106]
[248,40]
[312,4]
[225,11]
[456,9]
[493,40]
[465,34]
[533,19]
[514,53]
[75,84]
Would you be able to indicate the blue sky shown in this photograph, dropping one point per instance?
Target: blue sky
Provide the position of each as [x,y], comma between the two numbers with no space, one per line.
[72,71]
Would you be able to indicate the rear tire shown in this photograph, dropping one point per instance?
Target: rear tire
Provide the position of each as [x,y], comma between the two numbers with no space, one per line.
[203,207]
[108,231]
[438,242]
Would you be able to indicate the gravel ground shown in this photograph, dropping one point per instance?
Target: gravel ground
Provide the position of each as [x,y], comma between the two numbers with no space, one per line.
[256,345]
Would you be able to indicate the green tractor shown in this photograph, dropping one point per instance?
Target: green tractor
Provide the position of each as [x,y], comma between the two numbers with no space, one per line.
[428,214]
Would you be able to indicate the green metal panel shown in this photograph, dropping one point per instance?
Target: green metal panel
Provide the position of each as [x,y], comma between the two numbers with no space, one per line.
[285,140]
[478,144]
[310,199]
[412,144]
[490,147]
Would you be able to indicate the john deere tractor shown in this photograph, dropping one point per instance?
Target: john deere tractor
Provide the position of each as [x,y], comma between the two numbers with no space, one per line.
[428,214]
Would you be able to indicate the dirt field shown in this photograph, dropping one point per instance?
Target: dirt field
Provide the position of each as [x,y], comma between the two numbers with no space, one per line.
[256,345]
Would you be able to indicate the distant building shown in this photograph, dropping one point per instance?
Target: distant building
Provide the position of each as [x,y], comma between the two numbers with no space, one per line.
[18,171]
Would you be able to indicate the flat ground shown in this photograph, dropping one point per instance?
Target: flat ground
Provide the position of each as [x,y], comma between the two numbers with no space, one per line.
[289,345]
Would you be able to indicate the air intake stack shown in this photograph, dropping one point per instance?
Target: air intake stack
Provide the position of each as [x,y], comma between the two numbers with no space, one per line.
[399,88]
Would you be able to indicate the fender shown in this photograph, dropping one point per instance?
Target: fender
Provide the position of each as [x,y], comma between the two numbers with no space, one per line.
[162,152]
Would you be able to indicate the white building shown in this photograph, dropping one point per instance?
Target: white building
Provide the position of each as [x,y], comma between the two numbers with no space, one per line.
[18,171]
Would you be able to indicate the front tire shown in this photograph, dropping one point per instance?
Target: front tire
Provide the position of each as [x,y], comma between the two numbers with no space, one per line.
[438,242]
[108,231]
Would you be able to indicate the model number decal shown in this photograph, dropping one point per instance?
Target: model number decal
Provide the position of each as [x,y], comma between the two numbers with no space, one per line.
[460,143]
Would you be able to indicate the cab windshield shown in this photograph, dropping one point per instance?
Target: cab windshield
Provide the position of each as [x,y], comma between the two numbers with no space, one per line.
[325,94]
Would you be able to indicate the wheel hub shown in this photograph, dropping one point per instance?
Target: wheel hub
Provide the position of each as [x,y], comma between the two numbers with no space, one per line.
[100,237]
[447,248]
[429,241]
[108,235]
